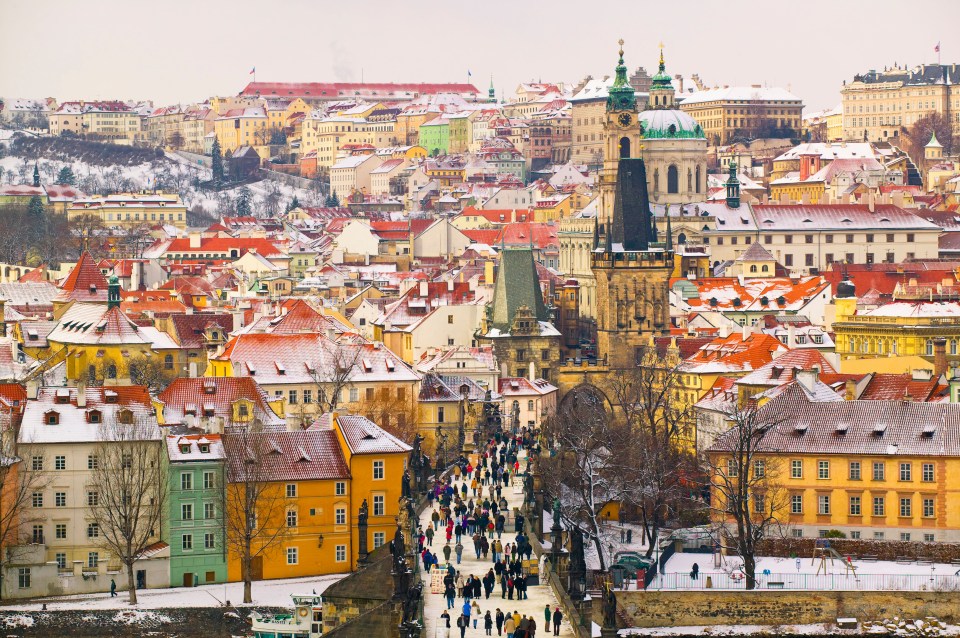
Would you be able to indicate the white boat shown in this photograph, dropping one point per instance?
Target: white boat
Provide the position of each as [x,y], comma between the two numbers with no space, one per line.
[306,620]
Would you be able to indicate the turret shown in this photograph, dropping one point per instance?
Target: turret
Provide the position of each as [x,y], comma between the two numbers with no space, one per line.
[621,96]
[113,292]
[733,187]
[661,88]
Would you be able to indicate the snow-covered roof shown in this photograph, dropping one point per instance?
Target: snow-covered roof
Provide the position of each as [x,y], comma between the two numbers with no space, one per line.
[738,94]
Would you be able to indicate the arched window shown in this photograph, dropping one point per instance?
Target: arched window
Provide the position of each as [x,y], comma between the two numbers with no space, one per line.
[689,180]
[764,268]
[112,371]
[624,147]
[682,238]
[168,362]
[673,179]
[698,178]
[753,268]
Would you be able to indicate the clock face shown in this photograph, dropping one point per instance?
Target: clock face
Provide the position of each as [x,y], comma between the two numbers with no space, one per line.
[624,119]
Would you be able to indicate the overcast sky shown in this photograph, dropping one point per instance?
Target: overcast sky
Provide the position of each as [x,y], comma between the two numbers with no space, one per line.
[185,51]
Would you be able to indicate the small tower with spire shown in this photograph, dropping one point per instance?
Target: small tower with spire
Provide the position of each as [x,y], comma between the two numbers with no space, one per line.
[933,151]
[113,292]
[733,187]
[36,174]
[491,94]
[661,88]
[621,96]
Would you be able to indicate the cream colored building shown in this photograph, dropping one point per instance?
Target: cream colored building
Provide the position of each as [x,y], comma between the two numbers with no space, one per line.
[329,135]
[114,122]
[353,173]
[126,210]
[877,104]
[745,110]
[576,244]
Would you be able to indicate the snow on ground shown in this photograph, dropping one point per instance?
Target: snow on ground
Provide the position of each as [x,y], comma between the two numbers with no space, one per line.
[746,630]
[266,593]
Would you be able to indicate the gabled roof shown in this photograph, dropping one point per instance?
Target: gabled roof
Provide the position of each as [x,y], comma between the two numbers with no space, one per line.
[193,444]
[735,354]
[74,424]
[300,317]
[783,369]
[756,252]
[186,395]
[312,454]
[93,324]
[362,435]
[85,282]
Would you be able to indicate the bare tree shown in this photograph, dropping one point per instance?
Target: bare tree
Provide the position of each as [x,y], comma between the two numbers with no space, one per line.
[151,370]
[18,482]
[335,373]
[659,420]
[130,480]
[748,498]
[176,140]
[587,469]
[918,135]
[254,506]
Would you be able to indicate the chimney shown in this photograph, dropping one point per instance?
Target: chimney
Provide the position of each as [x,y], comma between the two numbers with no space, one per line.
[746,332]
[724,331]
[939,356]
[81,392]
[871,202]
[194,240]
[790,335]
[849,390]
[533,373]
[424,288]
[808,378]
[33,388]
[450,284]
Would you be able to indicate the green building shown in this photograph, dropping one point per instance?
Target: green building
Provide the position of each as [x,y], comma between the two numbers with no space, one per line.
[198,553]
[435,136]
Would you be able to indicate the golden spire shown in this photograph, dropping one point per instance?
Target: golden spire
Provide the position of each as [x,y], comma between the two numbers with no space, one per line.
[661,54]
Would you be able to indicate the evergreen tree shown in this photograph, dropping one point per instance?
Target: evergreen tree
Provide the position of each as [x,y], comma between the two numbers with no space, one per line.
[332,200]
[66,176]
[36,174]
[217,163]
[243,203]
[294,203]
[37,214]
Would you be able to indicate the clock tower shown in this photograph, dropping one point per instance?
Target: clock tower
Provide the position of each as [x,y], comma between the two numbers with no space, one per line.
[621,130]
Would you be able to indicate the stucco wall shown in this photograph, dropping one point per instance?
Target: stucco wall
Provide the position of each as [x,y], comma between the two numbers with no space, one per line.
[683,608]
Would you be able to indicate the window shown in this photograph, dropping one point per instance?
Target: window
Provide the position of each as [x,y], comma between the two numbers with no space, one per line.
[291,518]
[928,538]
[828,239]
[732,469]
[23,578]
[379,538]
[379,507]
[849,239]
[854,506]
[879,506]
[93,530]
[60,531]
[878,536]
[823,469]
[186,541]
[378,470]
[869,238]
[354,395]
[796,468]
[906,507]
[209,480]
[823,504]
[796,504]
[927,473]
[788,239]
[440,414]
[340,516]
[293,397]
[93,462]
[788,260]
[759,468]
[341,553]
[209,510]
[186,511]
[37,499]
[808,239]
[307,396]
[291,490]
[797,533]
[854,470]
[186,481]
[93,498]
[292,556]
[209,541]
[36,463]
[905,536]
[61,559]
[60,499]
[59,462]
[340,489]
[928,511]
[855,535]
[906,472]
[878,471]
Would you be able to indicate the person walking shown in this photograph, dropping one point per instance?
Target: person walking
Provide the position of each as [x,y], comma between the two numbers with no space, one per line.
[435,517]
[510,586]
[509,626]
[113,588]
[547,614]
[557,618]
[430,533]
[488,623]
[475,614]
[498,619]
[450,593]
[446,551]
[445,617]
[462,623]
[532,628]
[459,550]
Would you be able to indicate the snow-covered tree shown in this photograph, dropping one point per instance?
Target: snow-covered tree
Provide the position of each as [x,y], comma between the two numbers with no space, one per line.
[66,176]
[244,202]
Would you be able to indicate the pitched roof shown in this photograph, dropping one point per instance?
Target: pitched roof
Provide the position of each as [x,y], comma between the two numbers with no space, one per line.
[217,395]
[74,423]
[517,285]
[734,353]
[85,282]
[756,252]
[782,369]
[193,442]
[303,455]
[363,436]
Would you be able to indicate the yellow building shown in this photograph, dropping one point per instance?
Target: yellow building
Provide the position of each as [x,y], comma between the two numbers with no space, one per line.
[241,127]
[329,135]
[877,104]
[132,210]
[318,481]
[883,470]
[748,111]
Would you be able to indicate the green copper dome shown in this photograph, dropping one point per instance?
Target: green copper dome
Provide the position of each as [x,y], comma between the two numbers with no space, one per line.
[621,96]
[669,123]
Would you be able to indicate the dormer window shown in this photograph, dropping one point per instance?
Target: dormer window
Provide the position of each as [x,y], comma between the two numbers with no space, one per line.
[204,449]
[93,289]
[185,448]
[95,416]
[63,397]
[52,418]
[209,388]
[110,396]
[125,417]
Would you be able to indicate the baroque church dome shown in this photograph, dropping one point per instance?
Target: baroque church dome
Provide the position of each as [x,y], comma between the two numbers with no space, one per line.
[669,123]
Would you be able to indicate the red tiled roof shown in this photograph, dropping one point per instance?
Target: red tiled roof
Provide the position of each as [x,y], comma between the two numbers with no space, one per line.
[300,317]
[223,245]
[483,236]
[330,90]
[894,387]
[304,455]
[734,353]
[520,234]
[220,393]
[37,275]
[781,370]
[884,277]
[189,329]
[77,285]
